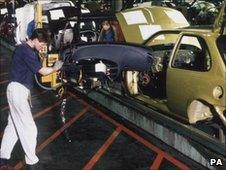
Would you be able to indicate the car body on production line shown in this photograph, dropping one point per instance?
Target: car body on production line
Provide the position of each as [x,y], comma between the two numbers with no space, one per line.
[181,72]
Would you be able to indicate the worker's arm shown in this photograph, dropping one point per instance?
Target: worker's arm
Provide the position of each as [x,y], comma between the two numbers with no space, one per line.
[46,70]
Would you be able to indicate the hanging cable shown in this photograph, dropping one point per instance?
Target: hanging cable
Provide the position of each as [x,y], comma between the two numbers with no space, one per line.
[40,85]
[63,119]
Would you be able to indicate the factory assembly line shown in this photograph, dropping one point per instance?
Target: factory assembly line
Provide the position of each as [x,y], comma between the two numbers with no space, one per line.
[154,98]
[90,137]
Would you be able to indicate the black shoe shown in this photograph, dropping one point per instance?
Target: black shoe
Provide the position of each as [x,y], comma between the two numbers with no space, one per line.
[3,162]
[32,167]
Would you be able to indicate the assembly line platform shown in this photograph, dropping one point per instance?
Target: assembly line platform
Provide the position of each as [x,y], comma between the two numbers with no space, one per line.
[90,138]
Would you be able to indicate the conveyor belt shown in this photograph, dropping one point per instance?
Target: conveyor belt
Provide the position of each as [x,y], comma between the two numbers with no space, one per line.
[186,130]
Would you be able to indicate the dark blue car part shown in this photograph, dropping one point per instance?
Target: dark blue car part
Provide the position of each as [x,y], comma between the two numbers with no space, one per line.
[126,57]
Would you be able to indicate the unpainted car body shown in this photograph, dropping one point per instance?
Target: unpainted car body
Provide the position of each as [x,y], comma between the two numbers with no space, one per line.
[139,23]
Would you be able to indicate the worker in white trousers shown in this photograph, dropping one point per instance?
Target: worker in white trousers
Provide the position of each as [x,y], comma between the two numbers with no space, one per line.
[21,125]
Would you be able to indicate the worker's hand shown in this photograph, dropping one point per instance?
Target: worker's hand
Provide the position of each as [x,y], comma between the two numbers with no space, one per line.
[58,64]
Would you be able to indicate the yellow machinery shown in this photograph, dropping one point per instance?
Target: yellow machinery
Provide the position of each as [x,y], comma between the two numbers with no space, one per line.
[47,59]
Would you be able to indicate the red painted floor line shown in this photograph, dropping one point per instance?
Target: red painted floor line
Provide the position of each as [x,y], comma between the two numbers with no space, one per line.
[154,148]
[103,149]
[146,143]
[176,162]
[5,73]
[139,138]
[55,135]
[36,115]
[156,164]
[42,112]
[3,82]
[62,129]
[129,132]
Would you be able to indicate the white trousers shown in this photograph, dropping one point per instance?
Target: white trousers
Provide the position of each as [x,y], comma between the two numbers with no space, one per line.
[20,124]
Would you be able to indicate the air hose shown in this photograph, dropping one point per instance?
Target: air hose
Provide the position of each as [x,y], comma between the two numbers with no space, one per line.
[40,85]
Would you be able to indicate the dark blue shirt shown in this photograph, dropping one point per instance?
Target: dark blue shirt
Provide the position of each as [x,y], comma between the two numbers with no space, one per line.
[108,36]
[25,63]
